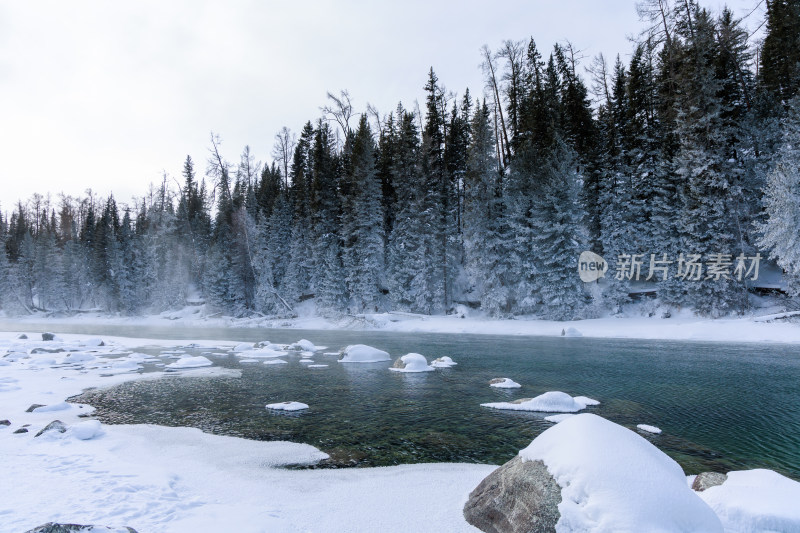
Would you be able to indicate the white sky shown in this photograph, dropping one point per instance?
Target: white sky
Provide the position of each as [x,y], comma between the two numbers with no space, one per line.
[108,95]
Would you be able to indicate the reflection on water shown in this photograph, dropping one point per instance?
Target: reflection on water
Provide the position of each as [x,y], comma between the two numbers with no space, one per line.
[720,406]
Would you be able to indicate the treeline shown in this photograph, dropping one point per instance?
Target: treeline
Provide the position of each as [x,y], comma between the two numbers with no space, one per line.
[691,147]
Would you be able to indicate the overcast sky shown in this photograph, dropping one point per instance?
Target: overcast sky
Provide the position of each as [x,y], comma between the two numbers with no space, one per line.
[109,95]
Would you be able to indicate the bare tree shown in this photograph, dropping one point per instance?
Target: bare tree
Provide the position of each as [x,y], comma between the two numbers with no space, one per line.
[514,54]
[341,111]
[218,169]
[373,112]
[598,70]
[282,151]
[489,69]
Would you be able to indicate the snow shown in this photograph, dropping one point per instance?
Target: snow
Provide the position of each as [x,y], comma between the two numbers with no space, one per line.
[549,402]
[275,362]
[612,479]
[287,406]
[60,406]
[243,347]
[177,479]
[443,362]
[555,419]
[192,361]
[361,353]
[317,366]
[414,362]
[87,429]
[756,501]
[586,401]
[649,429]
[571,332]
[504,383]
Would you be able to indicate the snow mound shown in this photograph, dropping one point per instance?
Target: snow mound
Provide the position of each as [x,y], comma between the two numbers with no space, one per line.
[87,430]
[612,479]
[76,357]
[504,383]
[411,362]
[193,361]
[571,332]
[361,353]
[303,345]
[60,406]
[95,341]
[549,402]
[586,401]
[243,347]
[264,353]
[287,406]
[443,362]
[649,429]
[756,501]
[555,419]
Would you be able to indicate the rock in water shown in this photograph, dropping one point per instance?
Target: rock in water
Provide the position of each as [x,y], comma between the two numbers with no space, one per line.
[706,480]
[55,425]
[520,496]
[48,336]
[52,527]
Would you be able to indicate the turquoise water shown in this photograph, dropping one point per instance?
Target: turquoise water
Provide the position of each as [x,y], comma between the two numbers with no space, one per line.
[720,406]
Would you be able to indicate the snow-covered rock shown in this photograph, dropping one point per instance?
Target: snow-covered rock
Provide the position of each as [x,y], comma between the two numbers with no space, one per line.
[76,357]
[571,332]
[303,345]
[612,479]
[194,361]
[361,353]
[60,406]
[504,383]
[411,362]
[443,362]
[586,401]
[86,430]
[758,501]
[95,341]
[649,429]
[287,406]
[549,402]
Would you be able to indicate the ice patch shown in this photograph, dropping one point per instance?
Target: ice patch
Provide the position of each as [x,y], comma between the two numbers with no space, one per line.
[649,429]
[361,353]
[317,366]
[555,419]
[287,406]
[243,347]
[586,401]
[190,362]
[275,362]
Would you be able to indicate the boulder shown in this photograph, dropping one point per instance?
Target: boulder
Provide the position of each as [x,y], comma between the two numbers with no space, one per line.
[520,496]
[33,406]
[52,527]
[706,480]
[21,430]
[55,425]
[5,422]
[48,336]
[23,337]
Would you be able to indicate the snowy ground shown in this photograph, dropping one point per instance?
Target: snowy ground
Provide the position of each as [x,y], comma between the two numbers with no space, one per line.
[159,479]
[768,324]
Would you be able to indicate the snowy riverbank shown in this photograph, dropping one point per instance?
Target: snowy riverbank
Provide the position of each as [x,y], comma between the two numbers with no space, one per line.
[769,325]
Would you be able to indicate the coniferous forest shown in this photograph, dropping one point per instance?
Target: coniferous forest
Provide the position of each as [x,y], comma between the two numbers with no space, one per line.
[687,154]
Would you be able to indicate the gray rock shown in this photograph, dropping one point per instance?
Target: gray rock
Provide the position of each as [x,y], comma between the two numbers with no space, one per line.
[47,350]
[22,337]
[55,425]
[33,406]
[48,336]
[399,363]
[519,497]
[706,480]
[52,527]
[21,430]
[5,422]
